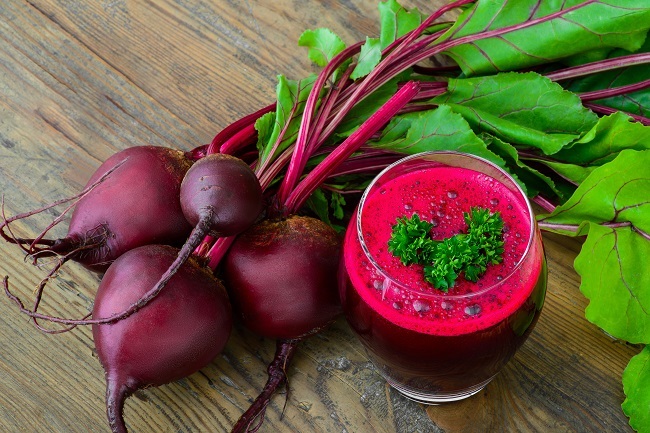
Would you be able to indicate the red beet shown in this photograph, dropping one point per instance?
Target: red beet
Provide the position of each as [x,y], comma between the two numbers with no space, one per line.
[174,335]
[222,192]
[131,200]
[282,279]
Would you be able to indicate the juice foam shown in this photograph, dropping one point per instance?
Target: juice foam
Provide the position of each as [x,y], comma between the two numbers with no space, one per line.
[440,195]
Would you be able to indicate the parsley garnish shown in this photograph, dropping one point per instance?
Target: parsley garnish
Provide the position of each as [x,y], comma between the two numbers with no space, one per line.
[468,253]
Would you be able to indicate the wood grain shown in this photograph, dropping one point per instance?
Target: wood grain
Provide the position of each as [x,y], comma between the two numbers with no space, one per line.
[81,80]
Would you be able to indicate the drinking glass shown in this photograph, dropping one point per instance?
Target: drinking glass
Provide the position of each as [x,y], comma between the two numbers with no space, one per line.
[433,346]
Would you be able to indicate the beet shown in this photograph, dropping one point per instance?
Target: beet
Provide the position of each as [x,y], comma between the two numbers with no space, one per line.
[131,200]
[171,337]
[282,279]
[222,192]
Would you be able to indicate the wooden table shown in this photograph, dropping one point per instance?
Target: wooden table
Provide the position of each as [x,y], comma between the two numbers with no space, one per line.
[80,80]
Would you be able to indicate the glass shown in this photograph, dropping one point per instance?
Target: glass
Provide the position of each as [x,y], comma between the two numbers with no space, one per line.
[433,346]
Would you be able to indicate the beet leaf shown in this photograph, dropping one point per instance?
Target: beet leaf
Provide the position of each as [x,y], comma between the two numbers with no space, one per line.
[592,25]
[521,108]
[612,207]
[605,140]
[291,97]
[636,378]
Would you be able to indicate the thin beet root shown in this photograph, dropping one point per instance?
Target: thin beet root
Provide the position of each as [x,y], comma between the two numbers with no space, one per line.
[277,371]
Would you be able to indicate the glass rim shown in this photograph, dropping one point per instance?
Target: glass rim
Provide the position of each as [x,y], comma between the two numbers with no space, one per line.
[445,295]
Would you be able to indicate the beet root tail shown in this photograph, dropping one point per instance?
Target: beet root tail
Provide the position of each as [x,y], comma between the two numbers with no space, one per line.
[284,352]
[116,394]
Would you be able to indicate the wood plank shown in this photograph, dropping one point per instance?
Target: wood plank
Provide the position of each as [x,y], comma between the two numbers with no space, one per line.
[81,80]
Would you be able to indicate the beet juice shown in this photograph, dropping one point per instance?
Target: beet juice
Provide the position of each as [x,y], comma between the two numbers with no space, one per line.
[436,346]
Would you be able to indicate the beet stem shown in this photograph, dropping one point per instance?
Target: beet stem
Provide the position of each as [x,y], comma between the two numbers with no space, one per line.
[614,91]
[599,66]
[219,250]
[544,203]
[358,138]
[245,137]
[603,109]
[277,371]
[299,157]
[233,128]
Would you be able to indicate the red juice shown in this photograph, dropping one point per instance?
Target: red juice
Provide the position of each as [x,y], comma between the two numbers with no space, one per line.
[430,345]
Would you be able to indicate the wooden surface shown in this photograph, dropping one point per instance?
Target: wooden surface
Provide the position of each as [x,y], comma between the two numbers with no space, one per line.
[80,80]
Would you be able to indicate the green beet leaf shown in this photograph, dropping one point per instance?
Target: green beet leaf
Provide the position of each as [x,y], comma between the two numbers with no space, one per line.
[524,109]
[612,206]
[614,193]
[396,21]
[605,140]
[594,26]
[291,97]
[636,384]
[264,127]
[573,172]
[532,181]
[439,129]
[369,57]
[323,45]
[613,265]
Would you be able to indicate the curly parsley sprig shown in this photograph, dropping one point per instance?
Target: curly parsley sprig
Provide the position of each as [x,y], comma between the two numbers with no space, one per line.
[468,253]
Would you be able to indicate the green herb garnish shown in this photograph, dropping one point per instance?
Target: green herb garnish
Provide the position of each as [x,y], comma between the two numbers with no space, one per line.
[468,253]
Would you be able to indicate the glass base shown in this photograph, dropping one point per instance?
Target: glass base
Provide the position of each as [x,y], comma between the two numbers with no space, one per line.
[438,398]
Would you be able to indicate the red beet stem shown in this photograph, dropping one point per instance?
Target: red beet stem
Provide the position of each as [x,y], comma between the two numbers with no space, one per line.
[237,126]
[358,138]
[284,351]
[299,157]
[603,109]
[614,91]
[599,66]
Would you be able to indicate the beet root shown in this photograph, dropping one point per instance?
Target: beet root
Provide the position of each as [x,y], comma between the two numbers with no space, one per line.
[282,279]
[223,191]
[131,200]
[174,335]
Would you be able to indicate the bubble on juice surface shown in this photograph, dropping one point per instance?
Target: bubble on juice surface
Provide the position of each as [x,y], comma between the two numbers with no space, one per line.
[378,284]
[452,194]
[397,305]
[447,305]
[472,310]
[494,201]
[421,306]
